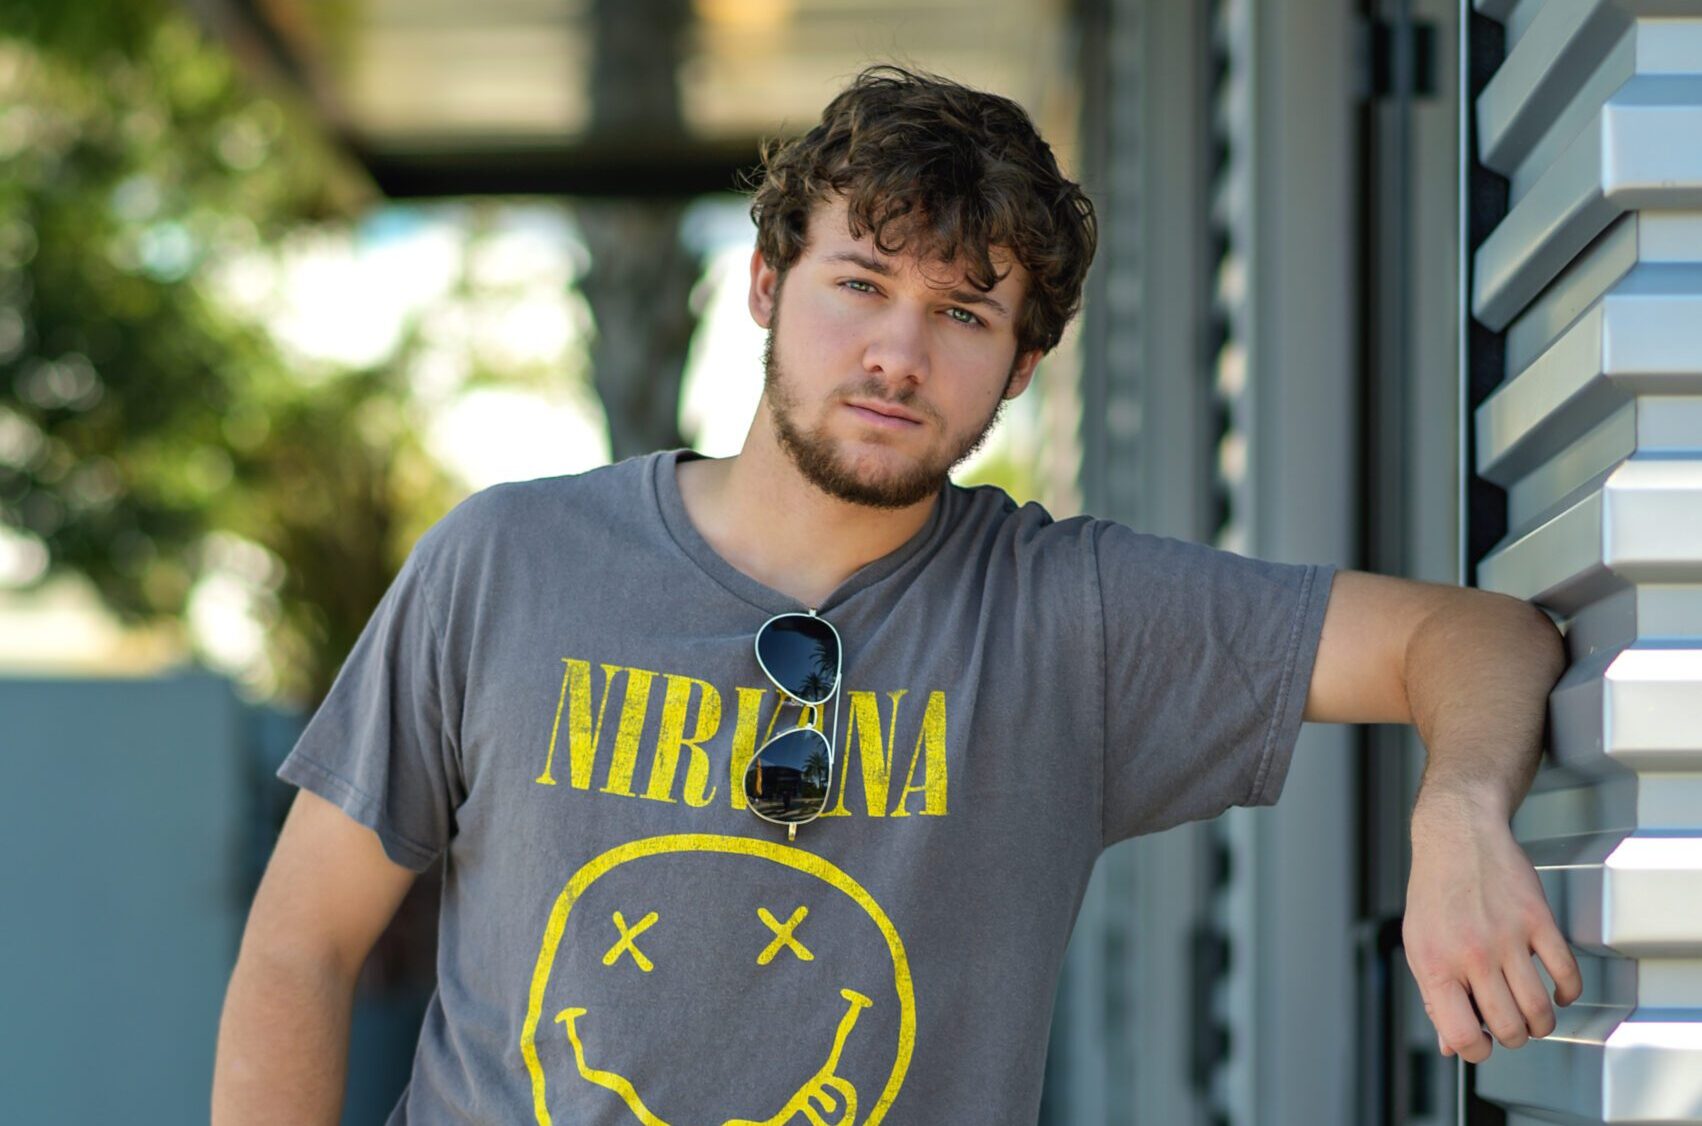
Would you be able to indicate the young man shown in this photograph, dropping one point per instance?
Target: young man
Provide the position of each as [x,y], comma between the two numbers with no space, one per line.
[612,698]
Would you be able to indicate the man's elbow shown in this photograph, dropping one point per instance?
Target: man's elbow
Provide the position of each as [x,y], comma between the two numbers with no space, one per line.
[1548,644]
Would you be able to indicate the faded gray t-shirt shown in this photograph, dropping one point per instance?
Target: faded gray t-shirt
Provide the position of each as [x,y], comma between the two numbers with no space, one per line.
[559,692]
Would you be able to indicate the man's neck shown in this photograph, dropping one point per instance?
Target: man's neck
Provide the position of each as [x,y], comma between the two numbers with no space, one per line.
[765,518]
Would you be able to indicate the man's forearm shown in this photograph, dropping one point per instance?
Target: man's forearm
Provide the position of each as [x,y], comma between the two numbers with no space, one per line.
[283,1044]
[1478,675]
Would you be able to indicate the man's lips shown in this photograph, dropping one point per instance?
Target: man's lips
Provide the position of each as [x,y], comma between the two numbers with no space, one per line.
[883,414]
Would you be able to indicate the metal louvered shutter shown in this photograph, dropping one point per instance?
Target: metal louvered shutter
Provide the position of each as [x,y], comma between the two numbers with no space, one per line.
[1584,375]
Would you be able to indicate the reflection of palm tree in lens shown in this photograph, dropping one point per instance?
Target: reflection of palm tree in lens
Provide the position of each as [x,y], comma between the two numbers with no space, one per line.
[815,767]
[826,661]
[816,686]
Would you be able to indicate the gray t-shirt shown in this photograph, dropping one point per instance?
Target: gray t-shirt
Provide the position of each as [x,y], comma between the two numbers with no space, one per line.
[559,694]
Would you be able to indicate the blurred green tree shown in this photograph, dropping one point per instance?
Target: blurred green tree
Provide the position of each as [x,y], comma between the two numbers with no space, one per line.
[139,416]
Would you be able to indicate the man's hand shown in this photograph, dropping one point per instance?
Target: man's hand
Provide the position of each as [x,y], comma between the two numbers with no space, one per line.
[1475,914]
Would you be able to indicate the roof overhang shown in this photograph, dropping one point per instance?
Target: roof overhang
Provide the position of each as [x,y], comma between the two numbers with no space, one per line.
[637,98]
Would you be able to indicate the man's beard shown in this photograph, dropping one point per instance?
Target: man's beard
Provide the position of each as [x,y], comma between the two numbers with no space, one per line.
[817,456]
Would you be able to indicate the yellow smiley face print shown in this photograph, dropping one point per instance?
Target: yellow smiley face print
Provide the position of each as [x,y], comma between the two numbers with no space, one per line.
[798,1003]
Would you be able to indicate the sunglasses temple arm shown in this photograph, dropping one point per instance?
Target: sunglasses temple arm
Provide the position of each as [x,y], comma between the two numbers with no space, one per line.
[833,740]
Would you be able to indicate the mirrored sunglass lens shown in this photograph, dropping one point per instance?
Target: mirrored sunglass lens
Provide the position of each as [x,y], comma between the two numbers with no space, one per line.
[801,653]
[788,778]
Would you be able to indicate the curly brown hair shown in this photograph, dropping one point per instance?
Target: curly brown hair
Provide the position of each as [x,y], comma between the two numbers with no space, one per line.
[947,172]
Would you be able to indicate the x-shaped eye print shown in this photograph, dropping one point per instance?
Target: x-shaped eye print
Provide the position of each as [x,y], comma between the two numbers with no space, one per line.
[783,937]
[626,944]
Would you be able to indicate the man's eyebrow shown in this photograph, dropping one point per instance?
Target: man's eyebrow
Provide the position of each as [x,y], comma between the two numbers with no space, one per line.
[875,266]
[975,297]
[871,264]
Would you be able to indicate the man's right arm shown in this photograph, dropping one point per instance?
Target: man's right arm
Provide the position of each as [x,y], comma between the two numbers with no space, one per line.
[328,892]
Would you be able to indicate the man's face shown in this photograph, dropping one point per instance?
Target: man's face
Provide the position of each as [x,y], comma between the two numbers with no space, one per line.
[888,371]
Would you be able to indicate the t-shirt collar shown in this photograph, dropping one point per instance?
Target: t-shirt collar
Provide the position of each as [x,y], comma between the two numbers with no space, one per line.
[665,490]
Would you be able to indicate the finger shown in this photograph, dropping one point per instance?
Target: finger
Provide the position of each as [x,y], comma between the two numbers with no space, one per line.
[1530,996]
[1451,1012]
[1557,959]
[1495,1001]
[1442,1046]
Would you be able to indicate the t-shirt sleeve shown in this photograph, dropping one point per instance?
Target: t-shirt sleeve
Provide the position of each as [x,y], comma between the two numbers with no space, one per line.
[380,745]
[1208,658]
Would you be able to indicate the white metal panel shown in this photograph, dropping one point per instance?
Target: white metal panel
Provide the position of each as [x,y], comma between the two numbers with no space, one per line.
[1123,1033]
[1286,375]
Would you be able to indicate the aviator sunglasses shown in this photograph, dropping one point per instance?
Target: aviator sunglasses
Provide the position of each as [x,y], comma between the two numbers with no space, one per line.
[787,780]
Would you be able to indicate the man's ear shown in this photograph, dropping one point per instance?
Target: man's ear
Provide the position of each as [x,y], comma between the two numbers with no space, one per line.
[765,282]
[1023,373]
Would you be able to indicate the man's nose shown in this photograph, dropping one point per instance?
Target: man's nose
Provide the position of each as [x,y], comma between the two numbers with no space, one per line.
[899,349]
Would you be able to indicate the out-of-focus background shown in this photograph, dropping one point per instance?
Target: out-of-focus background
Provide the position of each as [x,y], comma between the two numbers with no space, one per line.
[1403,285]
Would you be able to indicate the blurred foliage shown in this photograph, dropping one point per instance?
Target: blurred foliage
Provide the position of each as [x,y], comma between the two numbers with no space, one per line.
[1006,468]
[1010,459]
[141,422]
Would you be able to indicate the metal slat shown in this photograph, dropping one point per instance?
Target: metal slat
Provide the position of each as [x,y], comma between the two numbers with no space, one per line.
[1642,150]
[1611,355]
[1642,525]
[1539,78]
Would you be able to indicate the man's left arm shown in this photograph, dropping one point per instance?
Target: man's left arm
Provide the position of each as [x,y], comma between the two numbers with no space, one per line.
[1472,670]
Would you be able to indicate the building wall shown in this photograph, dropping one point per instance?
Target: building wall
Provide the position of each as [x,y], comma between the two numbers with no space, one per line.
[122,820]
[136,817]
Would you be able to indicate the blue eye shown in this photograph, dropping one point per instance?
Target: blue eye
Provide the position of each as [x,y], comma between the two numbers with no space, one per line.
[973,320]
[859,281]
